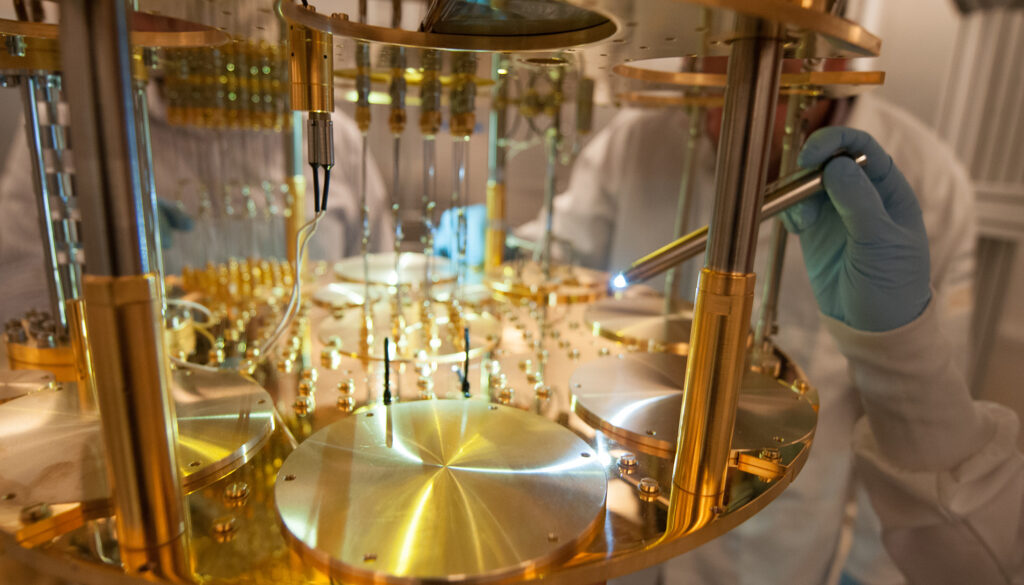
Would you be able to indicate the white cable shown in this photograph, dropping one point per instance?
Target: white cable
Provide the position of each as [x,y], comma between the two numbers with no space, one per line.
[192,305]
[293,301]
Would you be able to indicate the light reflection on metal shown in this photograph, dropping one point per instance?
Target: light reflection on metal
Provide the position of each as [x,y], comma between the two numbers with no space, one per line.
[449,475]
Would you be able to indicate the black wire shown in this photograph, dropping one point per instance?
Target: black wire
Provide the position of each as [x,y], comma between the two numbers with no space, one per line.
[305,3]
[387,373]
[465,374]
[316,187]
[327,187]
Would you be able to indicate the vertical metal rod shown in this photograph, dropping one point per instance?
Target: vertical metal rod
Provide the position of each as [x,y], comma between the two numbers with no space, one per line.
[150,208]
[685,202]
[553,140]
[51,252]
[721,323]
[792,141]
[123,300]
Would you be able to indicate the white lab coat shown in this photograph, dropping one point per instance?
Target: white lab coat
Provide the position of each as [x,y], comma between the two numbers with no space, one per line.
[621,204]
[244,157]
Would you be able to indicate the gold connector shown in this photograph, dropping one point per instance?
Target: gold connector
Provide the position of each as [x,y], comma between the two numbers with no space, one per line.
[494,245]
[312,69]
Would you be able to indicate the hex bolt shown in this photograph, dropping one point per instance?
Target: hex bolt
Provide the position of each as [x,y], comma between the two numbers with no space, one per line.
[648,489]
[627,463]
[34,513]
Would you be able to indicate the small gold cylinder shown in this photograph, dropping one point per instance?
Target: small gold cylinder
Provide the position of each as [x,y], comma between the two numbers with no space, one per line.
[494,245]
[312,69]
[79,338]
[714,371]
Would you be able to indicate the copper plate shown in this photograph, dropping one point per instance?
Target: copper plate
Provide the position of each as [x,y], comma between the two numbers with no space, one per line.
[568,284]
[440,491]
[637,399]
[641,321]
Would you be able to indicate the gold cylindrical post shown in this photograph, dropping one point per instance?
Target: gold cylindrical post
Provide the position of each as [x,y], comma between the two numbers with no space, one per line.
[725,292]
[312,69]
[140,432]
[494,245]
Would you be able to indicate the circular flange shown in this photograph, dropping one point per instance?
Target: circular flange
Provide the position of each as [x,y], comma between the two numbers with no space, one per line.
[435,339]
[672,71]
[147,30]
[668,98]
[339,295]
[54,448]
[641,321]
[440,491]
[637,400]
[579,26]
[17,383]
[568,284]
[381,269]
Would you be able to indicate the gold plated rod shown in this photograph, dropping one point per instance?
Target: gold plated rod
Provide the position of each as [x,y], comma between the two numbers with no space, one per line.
[725,291]
[494,243]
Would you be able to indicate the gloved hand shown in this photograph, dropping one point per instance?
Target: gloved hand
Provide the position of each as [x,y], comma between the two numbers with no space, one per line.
[445,238]
[171,217]
[863,239]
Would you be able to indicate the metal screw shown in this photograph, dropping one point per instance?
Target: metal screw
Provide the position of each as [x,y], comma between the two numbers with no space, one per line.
[306,387]
[346,403]
[627,463]
[649,489]
[652,433]
[552,537]
[778,439]
[345,386]
[302,405]
[236,494]
[224,529]
[369,557]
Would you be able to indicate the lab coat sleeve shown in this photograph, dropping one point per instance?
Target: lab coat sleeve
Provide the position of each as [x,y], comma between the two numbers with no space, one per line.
[585,213]
[943,471]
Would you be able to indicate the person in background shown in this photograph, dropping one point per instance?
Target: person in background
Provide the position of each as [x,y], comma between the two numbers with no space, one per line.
[943,471]
[620,205]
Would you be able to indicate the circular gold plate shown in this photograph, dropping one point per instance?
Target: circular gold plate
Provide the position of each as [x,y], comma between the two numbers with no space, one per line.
[669,71]
[594,29]
[147,30]
[637,400]
[411,271]
[641,321]
[568,284]
[436,339]
[440,491]
[17,383]
[339,295]
[53,446]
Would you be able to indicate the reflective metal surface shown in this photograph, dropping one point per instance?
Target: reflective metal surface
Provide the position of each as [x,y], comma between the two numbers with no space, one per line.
[440,491]
[568,284]
[638,399]
[641,322]
[149,30]
[339,295]
[411,271]
[53,453]
[415,337]
[670,70]
[17,383]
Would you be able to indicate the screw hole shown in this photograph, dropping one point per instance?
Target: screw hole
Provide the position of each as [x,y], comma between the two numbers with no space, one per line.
[369,414]
[492,407]
[369,557]
[9,496]
[261,401]
[584,454]
[552,537]
[289,477]
[194,464]
[651,433]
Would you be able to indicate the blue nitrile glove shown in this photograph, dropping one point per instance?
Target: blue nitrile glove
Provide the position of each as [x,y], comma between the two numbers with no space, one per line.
[863,240]
[445,242]
[171,217]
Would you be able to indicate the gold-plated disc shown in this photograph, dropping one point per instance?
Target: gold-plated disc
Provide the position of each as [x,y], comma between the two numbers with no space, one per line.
[568,284]
[339,295]
[147,30]
[671,71]
[53,447]
[412,269]
[17,383]
[641,321]
[440,491]
[433,338]
[637,400]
